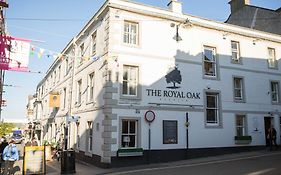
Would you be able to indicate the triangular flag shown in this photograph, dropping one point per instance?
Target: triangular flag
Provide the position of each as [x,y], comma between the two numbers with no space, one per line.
[41,51]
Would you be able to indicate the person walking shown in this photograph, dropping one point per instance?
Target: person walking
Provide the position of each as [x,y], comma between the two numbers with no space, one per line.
[3,145]
[272,137]
[10,155]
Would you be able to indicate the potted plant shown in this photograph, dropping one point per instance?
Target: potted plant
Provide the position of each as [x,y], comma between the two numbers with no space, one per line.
[243,139]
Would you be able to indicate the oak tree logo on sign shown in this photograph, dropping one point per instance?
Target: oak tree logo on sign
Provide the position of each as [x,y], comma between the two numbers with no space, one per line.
[174,77]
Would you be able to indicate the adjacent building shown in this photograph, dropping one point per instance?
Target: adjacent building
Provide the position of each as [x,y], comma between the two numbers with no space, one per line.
[144,84]
[259,18]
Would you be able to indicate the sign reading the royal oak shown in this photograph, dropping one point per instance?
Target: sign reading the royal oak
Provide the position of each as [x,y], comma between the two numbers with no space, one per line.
[175,78]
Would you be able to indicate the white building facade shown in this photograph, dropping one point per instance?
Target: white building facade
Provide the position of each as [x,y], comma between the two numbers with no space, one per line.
[206,87]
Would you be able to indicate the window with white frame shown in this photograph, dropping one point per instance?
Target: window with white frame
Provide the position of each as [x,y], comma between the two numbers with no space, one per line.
[79,91]
[64,98]
[130,80]
[238,89]
[91,84]
[66,66]
[212,109]
[93,43]
[131,32]
[210,65]
[240,125]
[129,133]
[77,135]
[59,71]
[90,135]
[81,53]
[275,94]
[235,49]
[271,58]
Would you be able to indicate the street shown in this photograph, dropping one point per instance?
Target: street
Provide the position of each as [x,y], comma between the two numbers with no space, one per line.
[267,164]
[261,162]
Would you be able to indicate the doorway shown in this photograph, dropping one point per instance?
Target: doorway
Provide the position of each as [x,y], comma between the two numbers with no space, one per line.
[267,124]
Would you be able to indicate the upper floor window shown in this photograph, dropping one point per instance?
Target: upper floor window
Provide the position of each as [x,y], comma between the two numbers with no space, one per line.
[212,109]
[91,87]
[59,71]
[275,94]
[93,43]
[238,89]
[79,91]
[130,80]
[271,58]
[81,53]
[131,32]
[210,65]
[64,98]
[235,50]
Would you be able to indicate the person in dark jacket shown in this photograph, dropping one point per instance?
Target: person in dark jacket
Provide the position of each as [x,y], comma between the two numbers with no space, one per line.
[3,144]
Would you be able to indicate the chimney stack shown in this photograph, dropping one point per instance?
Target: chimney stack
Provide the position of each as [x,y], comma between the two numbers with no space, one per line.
[175,6]
[236,5]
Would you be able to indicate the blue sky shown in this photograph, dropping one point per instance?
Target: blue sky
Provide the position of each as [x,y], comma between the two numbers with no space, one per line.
[55,22]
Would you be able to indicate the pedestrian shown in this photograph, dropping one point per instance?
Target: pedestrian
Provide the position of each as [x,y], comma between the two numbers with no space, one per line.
[3,144]
[10,155]
[34,142]
[272,137]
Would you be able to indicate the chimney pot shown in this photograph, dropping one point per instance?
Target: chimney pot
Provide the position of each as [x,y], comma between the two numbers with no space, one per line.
[236,5]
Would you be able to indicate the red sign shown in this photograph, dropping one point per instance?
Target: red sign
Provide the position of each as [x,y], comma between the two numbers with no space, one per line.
[149,116]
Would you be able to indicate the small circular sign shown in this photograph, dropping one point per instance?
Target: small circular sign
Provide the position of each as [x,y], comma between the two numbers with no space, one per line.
[149,116]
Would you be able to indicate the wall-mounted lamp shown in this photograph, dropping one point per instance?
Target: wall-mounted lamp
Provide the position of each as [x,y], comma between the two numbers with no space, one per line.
[177,36]
[224,35]
[255,40]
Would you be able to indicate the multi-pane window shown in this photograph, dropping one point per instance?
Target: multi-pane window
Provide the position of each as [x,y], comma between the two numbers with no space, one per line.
[90,135]
[131,33]
[235,50]
[77,135]
[130,80]
[210,66]
[81,53]
[64,98]
[93,43]
[212,109]
[240,125]
[79,91]
[170,132]
[66,66]
[129,133]
[91,81]
[59,71]
[238,89]
[271,58]
[275,94]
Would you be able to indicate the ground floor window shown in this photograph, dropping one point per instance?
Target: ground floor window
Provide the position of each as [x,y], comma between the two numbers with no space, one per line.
[240,125]
[90,135]
[129,133]
[77,135]
[170,132]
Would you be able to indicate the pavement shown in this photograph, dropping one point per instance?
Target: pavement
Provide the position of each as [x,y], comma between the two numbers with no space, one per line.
[53,167]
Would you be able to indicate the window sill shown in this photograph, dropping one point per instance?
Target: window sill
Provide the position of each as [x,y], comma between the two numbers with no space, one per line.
[129,152]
